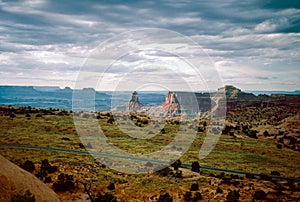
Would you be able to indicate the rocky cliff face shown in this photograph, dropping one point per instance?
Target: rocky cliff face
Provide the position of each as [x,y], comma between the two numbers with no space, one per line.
[175,103]
[170,105]
[188,102]
[134,104]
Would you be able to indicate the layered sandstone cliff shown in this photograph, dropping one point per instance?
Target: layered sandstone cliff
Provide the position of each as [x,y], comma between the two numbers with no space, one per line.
[229,97]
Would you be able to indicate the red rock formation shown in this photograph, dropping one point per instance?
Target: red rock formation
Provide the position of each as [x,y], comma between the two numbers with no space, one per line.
[170,105]
[134,104]
[188,102]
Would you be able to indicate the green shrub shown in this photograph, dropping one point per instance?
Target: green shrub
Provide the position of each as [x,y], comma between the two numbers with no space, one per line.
[194,187]
[106,197]
[177,174]
[187,196]
[28,166]
[233,196]
[197,196]
[176,164]
[259,195]
[195,166]
[65,182]
[165,198]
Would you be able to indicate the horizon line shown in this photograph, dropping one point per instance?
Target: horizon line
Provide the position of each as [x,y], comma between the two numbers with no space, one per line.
[156,90]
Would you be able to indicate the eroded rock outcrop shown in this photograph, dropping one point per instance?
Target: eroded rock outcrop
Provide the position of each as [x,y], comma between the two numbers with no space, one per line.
[14,180]
[134,104]
[170,105]
[227,98]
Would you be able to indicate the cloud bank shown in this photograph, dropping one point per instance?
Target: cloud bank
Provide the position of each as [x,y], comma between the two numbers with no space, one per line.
[253,44]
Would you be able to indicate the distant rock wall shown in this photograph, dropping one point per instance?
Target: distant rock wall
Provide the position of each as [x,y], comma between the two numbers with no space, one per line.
[191,103]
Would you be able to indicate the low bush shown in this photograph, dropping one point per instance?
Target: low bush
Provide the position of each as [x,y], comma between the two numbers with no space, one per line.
[187,196]
[165,172]
[195,166]
[65,182]
[219,190]
[259,195]
[48,179]
[47,167]
[27,197]
[194,187]
[106,197]
[253,134]
[232,196]
[41,174]
[165,198]
[111,186]
[275,173]
[197,196]
[176,165]
[28,166]
[177,174]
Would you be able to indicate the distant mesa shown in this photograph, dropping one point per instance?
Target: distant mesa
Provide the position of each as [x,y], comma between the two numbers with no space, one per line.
[67,89]
[232,92]
[174,102]
[46,88]
[18,90]
[88,89]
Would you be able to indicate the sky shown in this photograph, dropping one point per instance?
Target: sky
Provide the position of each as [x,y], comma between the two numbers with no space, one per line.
[253,45]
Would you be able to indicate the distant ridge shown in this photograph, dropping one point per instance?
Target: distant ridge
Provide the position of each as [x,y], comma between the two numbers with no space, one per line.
[233,92]
[257,92]
[57,98]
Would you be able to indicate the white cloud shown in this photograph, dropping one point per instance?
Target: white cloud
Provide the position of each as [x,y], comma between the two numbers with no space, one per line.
[271,25]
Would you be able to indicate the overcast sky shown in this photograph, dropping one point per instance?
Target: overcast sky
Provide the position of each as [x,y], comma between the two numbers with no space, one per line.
[254,45]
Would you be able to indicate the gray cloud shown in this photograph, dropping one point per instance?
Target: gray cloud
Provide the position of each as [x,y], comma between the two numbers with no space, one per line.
[241,37]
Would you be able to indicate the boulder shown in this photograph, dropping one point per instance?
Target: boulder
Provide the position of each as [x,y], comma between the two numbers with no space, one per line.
[15,180]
